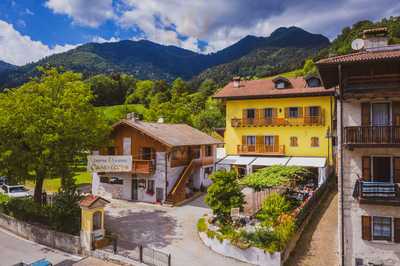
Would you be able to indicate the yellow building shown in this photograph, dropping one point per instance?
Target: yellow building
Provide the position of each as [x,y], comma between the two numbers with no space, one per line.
[278,121]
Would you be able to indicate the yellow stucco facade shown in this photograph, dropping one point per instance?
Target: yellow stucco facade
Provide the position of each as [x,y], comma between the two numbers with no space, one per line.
[303,133]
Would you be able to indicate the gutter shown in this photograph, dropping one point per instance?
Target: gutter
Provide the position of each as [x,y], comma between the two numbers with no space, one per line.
[341,166]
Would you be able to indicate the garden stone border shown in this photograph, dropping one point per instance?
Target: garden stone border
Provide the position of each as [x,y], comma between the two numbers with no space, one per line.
[252,255]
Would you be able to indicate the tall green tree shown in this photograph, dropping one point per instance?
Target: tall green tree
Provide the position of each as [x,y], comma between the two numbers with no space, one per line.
[46,126]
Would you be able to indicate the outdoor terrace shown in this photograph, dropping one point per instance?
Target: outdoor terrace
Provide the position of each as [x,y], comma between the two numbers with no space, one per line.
[279,121]
[261,149]
[369,136]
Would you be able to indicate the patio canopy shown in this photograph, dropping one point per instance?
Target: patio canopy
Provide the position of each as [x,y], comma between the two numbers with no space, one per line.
[317,162]
[236,160]
[268,161]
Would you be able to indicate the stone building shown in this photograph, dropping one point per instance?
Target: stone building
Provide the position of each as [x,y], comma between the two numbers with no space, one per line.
[367,86]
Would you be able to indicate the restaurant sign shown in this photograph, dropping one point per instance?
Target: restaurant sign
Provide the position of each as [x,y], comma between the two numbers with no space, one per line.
[109,164]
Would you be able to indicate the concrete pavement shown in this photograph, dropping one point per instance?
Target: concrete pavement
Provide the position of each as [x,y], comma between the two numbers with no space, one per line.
[172,230]
[14,249]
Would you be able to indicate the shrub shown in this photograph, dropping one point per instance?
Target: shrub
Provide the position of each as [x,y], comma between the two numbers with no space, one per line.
[4,199]
[211,234]
[25,209]
[283,232]
[272,208]
[202,225]
[224,194]
[276,175]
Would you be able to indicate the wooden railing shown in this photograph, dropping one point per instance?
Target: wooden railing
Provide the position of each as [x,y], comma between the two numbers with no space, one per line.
[178,191]
[372,135]
[278,121]
[143,166]
[261,149]
[377,192]
[384,78]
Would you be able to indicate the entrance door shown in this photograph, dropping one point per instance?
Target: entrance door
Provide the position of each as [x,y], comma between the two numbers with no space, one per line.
[381,169]
[127,146]
[135,186]
[159,194]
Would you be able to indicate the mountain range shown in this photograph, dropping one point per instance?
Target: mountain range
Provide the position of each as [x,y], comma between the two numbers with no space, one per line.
[284,49]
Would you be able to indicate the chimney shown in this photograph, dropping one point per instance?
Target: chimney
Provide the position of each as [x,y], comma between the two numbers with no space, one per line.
[236,82]
[376,38]
[160,120]
[132,117]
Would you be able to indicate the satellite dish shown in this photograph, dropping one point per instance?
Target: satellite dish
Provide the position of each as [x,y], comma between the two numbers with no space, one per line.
[357,44]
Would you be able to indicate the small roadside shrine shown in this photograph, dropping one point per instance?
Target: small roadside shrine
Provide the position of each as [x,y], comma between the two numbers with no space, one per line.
[92,224]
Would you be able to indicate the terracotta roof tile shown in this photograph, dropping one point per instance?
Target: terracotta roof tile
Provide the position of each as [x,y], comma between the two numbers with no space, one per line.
[173,135]
[265,88]
[90,200]
[362,57]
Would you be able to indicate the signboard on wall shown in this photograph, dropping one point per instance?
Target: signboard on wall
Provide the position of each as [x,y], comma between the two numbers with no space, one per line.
[109,164]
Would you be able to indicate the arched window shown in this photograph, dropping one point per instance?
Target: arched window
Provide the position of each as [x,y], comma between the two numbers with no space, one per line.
[313,82]
[97,220]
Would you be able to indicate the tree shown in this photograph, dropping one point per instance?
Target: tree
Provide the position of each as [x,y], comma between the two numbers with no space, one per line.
[224,194]
[47,125]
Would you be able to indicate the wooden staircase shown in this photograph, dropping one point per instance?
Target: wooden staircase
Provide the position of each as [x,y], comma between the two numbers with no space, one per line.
[178,191]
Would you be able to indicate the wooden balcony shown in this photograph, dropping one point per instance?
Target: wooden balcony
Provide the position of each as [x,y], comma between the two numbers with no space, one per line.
[279,121]
[261,149]
[372,136]
[145,167]
[377,193]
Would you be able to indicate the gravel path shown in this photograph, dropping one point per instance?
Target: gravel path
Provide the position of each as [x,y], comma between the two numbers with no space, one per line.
[318,243]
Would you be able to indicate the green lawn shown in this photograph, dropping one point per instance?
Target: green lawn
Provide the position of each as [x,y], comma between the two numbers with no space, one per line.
[52,185]
[117,112]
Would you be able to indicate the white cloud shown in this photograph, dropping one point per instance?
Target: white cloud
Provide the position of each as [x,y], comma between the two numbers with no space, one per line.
[99,39]
[18,49]
[28,12]
[90,13]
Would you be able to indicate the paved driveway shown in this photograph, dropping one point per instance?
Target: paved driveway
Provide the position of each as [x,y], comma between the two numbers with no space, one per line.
[169,229]
[14,249]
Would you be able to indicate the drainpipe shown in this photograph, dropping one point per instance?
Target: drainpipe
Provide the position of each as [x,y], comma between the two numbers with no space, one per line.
[341,166]
[166,175]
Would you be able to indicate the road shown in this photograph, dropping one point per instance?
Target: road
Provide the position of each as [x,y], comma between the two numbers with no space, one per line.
[14,249]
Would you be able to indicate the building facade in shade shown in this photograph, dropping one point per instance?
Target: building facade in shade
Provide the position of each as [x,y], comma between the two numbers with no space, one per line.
[368,109]
[284,121]
[153,162]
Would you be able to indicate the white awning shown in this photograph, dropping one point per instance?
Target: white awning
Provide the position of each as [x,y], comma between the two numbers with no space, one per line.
[236,160]
[268,161]
[307,161]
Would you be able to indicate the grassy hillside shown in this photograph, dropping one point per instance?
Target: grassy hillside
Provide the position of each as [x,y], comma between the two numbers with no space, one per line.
[114,113]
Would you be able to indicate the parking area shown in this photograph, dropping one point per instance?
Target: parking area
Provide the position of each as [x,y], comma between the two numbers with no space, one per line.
[172,230]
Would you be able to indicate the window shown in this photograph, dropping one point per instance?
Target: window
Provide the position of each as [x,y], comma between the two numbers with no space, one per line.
[268,113]
[314,111]
[126,146]
[313,82]
[382,228]
[146,153]
[269,140]
[111,180]
[209,151]
[251,113]
[294,112]
[251,140]
[150,187]
[314,142]
[97,217]
[280,85]
[294,142]
[380,114]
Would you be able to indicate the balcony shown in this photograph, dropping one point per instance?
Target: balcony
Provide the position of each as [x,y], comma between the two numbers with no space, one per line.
[261,149]
[145,167]
[377,193]
[372,136]
[279,121]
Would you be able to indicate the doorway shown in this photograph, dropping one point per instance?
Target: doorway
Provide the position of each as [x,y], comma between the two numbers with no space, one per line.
[135,186]
[159,194]
[382,169]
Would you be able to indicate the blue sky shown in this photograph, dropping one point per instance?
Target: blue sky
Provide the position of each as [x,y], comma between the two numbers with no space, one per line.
[32,29]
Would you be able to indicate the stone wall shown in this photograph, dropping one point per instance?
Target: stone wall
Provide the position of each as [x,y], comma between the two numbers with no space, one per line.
[50,238]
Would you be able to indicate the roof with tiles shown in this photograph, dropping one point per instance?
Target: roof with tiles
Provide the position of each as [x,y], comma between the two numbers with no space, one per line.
[364,56]
[172,135]
[89,200]
[265,88]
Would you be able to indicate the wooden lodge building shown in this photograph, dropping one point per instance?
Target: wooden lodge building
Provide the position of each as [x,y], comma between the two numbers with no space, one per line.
[367,86]
[153,162]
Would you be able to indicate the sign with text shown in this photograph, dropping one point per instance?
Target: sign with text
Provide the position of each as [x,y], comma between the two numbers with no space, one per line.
[110,164]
